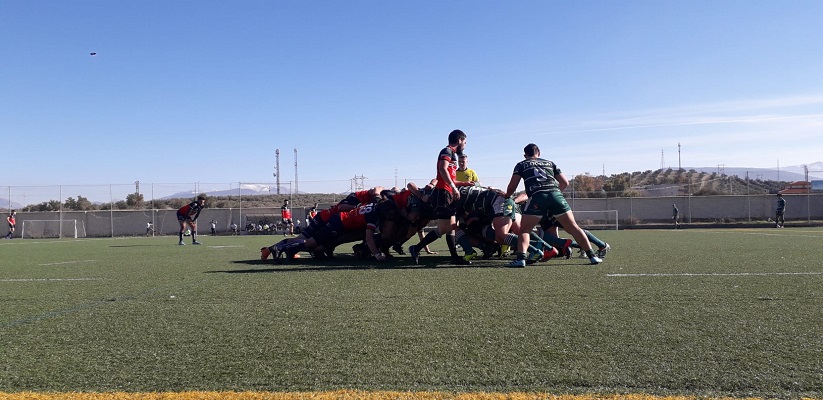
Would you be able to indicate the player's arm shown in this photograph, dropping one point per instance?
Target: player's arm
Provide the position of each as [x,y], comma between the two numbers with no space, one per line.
[512,185]
[415,191]
[562,182]
[373,244]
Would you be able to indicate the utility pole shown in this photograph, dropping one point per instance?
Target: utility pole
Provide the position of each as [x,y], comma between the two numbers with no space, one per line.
[679,166]
[357,183]
[277,168]
[296,189]
[662,160]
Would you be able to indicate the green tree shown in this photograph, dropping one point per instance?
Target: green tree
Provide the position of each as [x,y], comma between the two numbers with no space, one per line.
[70,204]
[135,200]
[83,204]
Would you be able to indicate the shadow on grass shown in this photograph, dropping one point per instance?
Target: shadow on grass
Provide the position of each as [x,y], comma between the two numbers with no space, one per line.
[138,245]
[351,263]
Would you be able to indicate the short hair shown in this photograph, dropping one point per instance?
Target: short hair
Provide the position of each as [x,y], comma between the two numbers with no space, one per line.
[201,197]
[456,135]
[531,150]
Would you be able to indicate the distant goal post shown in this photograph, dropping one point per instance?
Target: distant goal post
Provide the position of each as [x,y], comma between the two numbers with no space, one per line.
[597,220]
[51,228]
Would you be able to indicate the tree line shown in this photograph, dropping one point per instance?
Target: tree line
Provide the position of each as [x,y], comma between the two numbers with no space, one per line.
[584,186]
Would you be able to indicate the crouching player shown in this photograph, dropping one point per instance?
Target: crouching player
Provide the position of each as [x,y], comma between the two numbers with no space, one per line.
[352,225]
[187,215]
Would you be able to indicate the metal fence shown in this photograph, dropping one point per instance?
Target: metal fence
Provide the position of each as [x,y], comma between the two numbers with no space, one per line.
[127,222]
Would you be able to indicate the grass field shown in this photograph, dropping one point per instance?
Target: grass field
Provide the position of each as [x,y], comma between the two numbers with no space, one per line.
[689,312]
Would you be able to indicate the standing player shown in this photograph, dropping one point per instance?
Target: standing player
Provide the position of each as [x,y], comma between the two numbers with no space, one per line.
[675,214]
[285,214]
[12,224]
[544,185]
[779,219]
[464,173]
[441,198]
[188,215]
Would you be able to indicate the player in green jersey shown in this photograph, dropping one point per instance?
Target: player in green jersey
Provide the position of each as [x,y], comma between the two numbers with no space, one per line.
[544,184]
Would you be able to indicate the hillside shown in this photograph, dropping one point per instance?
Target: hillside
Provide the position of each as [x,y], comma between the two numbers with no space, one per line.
[669,182]
[662,182]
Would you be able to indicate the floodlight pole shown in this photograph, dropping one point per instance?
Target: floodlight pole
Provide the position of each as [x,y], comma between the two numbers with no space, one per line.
[60,224]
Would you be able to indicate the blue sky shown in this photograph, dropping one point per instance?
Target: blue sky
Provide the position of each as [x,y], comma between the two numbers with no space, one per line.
[184,91]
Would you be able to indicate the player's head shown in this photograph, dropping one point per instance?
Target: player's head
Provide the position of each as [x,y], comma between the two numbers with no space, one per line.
[531,150]
[458,139]
[463,162]
[779,195]
[201,199]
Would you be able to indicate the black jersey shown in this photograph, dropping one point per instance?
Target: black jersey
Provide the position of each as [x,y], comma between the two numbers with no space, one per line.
[538,175]
[475,199]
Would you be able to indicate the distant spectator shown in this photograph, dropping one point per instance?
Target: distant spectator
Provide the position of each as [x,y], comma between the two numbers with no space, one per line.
[233,229]
[675,214]
[779,220]
[149,228]
[213,227]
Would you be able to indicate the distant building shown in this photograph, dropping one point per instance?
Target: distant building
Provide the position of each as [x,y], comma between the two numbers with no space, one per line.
[798,187]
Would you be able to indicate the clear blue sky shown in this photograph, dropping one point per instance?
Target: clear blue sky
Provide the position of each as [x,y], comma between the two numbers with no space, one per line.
[184,91]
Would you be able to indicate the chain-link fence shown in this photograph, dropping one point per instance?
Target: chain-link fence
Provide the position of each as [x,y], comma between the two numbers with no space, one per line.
[127,209]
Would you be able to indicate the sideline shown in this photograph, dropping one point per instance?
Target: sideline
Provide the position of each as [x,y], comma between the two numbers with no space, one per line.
[714,274]
[345,395]
[49,279]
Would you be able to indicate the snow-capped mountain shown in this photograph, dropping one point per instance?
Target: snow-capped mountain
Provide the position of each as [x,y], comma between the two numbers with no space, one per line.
[246,189]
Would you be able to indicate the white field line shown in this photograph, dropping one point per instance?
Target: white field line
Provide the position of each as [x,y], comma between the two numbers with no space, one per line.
[781,232]
[67,262]
[50,279]
[19,241]
[715,274]
[223,247]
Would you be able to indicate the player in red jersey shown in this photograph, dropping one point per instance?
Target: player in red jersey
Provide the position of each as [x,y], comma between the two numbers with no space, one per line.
[187,215]
[12,224]
[443,194]
[345,226]
[360,197]
[285,215]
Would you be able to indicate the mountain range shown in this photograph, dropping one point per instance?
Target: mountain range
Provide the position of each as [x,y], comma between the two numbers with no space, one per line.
[246,189]
[784,174]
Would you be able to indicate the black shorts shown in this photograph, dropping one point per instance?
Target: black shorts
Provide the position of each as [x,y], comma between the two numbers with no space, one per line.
[440,204]
[327,235]
[183,217]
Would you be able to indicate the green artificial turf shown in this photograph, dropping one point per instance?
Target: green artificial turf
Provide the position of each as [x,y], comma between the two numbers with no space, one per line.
[696,312]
